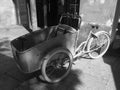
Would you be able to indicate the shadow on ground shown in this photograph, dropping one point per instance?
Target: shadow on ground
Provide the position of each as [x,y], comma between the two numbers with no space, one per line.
[69,83]
[10,75]
[112,58]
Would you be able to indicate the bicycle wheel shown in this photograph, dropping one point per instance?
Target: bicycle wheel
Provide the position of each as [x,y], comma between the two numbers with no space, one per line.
[57,65]
[98,46]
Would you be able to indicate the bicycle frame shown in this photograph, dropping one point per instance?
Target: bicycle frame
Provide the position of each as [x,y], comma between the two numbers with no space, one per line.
[73,19]
[84,43]
[83,49]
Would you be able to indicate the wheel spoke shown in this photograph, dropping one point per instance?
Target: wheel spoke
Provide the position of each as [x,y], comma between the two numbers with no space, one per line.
[98,49]
[51,72]
[57,65]
[98,46]
[49,69]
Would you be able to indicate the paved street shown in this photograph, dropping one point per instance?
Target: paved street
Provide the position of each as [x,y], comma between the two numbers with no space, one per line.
[86,74]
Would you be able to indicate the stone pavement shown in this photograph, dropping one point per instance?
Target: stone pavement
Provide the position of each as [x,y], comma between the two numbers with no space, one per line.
[86,74]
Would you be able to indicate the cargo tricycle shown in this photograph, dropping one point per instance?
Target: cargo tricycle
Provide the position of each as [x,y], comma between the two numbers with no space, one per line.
[53,50]
[47,50]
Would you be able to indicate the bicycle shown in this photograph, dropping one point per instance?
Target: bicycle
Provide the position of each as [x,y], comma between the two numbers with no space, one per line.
[95,45]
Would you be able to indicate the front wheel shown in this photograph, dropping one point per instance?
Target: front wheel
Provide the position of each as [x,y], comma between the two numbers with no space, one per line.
[57,65]
[97,47]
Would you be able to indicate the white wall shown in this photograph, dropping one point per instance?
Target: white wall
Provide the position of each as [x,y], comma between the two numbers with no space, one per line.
[7,13]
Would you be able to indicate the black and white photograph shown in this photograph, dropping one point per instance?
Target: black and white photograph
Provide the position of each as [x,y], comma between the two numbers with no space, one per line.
[59,45]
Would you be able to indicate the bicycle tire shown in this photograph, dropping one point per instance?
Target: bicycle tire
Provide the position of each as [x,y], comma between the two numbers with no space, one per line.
[98,34]
[47,60]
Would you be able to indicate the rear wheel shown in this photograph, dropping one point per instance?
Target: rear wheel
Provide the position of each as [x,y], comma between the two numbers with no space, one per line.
[57,65]
[98,46]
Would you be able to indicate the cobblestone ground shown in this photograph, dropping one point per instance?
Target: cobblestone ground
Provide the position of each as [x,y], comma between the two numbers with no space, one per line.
[86,74]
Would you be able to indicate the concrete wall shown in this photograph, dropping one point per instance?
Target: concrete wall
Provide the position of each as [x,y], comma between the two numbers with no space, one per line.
[7,13]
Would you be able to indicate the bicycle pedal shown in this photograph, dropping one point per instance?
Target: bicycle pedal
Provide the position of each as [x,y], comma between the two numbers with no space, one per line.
[73,63]
[93,35]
